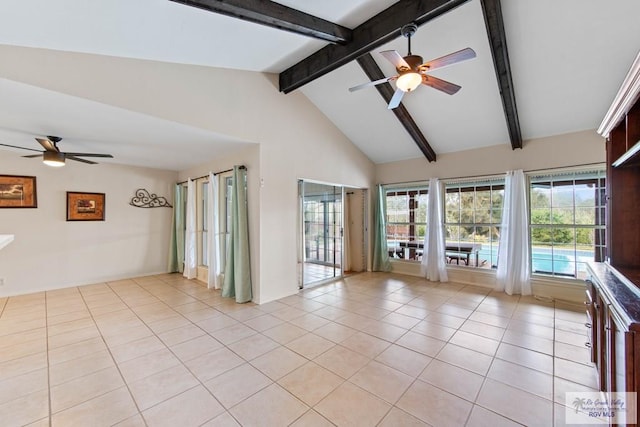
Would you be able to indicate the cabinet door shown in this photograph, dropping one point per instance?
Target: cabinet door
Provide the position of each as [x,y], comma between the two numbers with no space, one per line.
[591,323]
[600,316]
[620,358]
[620,366]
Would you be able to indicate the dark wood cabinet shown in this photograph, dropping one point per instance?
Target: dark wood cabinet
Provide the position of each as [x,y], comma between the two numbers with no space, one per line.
[613,312]
[613,286]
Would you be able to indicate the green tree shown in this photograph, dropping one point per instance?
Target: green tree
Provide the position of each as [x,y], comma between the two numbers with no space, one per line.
[549,234]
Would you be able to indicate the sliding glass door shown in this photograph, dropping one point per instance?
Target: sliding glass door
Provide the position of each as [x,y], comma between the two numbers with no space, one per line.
[321,225]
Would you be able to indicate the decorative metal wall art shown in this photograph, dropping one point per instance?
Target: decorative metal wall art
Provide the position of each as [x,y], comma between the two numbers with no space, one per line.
[144,199]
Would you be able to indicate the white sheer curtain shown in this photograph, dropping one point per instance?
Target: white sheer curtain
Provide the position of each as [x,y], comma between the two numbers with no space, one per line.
[514,273]
[434,253]
[346,232]
[190,255]
[213,235]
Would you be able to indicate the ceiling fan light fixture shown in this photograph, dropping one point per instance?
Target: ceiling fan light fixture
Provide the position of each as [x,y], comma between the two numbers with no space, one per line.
[409,81]
[54,159]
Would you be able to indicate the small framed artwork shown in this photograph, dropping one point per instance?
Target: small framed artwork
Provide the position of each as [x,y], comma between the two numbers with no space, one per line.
[85,206]
[18,191]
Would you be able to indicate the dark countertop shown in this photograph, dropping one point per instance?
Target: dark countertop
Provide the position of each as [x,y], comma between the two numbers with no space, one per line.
[620,285]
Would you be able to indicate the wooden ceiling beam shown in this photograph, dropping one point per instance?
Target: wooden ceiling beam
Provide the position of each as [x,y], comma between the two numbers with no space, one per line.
[492,12]
[275,15]
[374,72]
[373,33]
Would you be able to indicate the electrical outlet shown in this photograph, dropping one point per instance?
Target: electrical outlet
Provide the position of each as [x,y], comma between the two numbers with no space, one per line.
[1,281]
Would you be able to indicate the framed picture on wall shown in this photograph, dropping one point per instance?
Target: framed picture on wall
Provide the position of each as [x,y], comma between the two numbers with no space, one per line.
[85,206]
[17,191]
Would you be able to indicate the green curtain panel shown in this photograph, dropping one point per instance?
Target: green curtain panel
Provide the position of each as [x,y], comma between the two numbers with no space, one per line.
[380,251]
[176,246]
[237,271]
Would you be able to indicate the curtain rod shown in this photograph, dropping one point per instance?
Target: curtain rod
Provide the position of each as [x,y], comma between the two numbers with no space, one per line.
[215,173]
[566,167]
[493,174]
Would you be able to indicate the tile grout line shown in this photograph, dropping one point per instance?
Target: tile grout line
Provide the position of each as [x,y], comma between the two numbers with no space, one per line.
[46,324]
[110,354]
[200,383]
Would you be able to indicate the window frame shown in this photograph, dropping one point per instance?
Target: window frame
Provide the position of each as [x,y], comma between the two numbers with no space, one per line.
[565,178]
[492,184]
[415,192]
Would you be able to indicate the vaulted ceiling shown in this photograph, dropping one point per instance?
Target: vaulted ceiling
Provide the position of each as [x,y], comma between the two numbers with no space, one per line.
[542,68]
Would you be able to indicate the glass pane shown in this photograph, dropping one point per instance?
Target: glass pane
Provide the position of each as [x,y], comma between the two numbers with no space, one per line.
[483,216]
[562,195]
[452,215]
[540,197]
[496,215]
[482,235]
[421,209]
[497,196]
[322,216]
[540,216]
[466,216]
[453,233]
[466,200]
[586,215]
[541,235]
[452,200]
[483,200]
[467,233]
[585,195]
[205,253]
[585,238]
[563,238]
[563,216]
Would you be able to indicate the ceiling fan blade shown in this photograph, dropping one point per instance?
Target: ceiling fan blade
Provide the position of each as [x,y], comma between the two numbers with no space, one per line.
[442,85]
[78,159]
[88,155]
[31,156]
[22,148]
[452,58]
[48,144]
[394,57]
[373,83]
[395,100]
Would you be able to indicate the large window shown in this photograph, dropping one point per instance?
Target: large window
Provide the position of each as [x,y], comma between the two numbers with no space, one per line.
[567,222]
[406,221]
[473,214]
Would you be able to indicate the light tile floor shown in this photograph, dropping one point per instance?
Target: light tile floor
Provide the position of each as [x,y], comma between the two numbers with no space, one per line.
[374,349]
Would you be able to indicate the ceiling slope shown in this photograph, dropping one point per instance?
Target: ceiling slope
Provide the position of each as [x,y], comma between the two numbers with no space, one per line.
[358,43]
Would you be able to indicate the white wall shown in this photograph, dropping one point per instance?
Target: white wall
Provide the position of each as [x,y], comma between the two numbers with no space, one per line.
[49,252]
[296,139]
[556,151]
[578,148]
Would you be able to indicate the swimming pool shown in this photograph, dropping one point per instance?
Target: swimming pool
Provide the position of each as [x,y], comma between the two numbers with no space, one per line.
[561,262]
